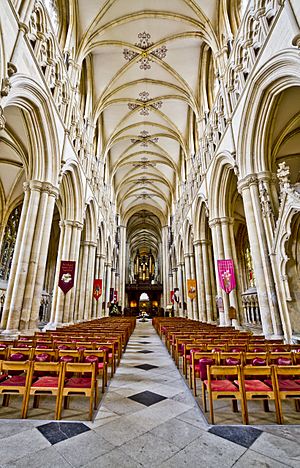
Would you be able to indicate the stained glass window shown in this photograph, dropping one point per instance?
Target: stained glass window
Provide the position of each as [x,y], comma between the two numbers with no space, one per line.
[8,243]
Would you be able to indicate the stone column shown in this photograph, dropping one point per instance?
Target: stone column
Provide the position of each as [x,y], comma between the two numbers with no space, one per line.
[180,283]
[69,312]
[101,275]
[81,312]
[69,243]
[90,279]
[42,259]
[200,281]
[261,263]
[218,246]
[14,265]
[207,266]
[193,276]
[165,265]
[107,287]
[33,238]
[188,276]
[122,266]
[96,275]
[230,252]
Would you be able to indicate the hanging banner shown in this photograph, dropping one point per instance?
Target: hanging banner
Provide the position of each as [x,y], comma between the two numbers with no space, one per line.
[111,295]
[66,275]
[176,295]
[191,287]
[115,297]
[226,275]
[97,289]
[172,296]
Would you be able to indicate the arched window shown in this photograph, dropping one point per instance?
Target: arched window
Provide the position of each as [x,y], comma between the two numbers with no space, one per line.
[9,241]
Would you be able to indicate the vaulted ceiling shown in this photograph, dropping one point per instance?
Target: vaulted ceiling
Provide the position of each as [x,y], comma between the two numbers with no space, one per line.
[144,59]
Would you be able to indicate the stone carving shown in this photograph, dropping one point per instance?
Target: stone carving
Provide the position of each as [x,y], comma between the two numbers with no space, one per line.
[6,84]
[2,119]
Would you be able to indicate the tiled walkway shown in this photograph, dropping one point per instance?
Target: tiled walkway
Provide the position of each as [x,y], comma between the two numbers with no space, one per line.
[147,418]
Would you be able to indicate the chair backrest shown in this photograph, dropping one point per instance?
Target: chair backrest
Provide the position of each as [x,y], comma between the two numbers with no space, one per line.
[288,372]
[74,353]
[52,353]
[12,354]
[286,358]
[225,357]
[218,372]
[250,356]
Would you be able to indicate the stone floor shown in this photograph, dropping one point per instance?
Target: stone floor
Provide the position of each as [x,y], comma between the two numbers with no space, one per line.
[147,418]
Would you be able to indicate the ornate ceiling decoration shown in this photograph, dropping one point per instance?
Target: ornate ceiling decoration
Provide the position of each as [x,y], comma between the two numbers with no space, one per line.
[144,44]
[144,99]
[144,163]
[144,139]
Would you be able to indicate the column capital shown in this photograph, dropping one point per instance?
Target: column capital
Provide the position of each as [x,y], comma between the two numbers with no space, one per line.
[214,222]
[89,243]
[70,223]
[226,220]
[246,182]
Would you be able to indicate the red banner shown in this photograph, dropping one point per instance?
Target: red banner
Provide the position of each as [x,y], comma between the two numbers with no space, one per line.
[172,296]
[115,297]
[66,275]
[226,275]
[97,290]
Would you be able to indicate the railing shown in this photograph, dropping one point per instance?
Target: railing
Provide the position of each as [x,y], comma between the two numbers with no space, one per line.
[251,308]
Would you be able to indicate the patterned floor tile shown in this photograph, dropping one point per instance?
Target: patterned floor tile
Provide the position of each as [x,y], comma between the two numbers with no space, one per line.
[147,398]
[56,432]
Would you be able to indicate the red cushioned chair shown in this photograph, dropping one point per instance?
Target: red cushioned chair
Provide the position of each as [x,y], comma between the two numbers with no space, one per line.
[287,380]
[200,361]
[14,380]
[100,358]
[219,387]
[259,384]
[45,380]
[78,385]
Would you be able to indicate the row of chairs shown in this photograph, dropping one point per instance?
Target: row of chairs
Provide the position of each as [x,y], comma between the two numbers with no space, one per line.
[67,362]
[52,379]
[246,383]
[225,359]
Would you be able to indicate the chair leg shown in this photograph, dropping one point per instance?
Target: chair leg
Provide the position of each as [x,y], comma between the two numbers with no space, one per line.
[194,383]
[211,408]
[204,397]
[235,408]
[36,401]
[266,406]
[244,408]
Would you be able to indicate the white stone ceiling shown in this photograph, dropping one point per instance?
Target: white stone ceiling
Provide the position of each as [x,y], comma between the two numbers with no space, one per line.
[146,58]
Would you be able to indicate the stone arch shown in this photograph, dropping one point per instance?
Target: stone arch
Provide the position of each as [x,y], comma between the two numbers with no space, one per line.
[71,200]
[278,74]
[221,173]
[44,161]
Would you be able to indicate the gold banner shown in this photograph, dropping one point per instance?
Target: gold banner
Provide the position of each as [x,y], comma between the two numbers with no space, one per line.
[191,287]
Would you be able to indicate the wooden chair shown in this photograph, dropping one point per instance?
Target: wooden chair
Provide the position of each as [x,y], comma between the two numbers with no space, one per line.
[218,386]
[14,380]
[45,380]
[198,368]
[78,386]
[258,383]
[287,381]
[100,358]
